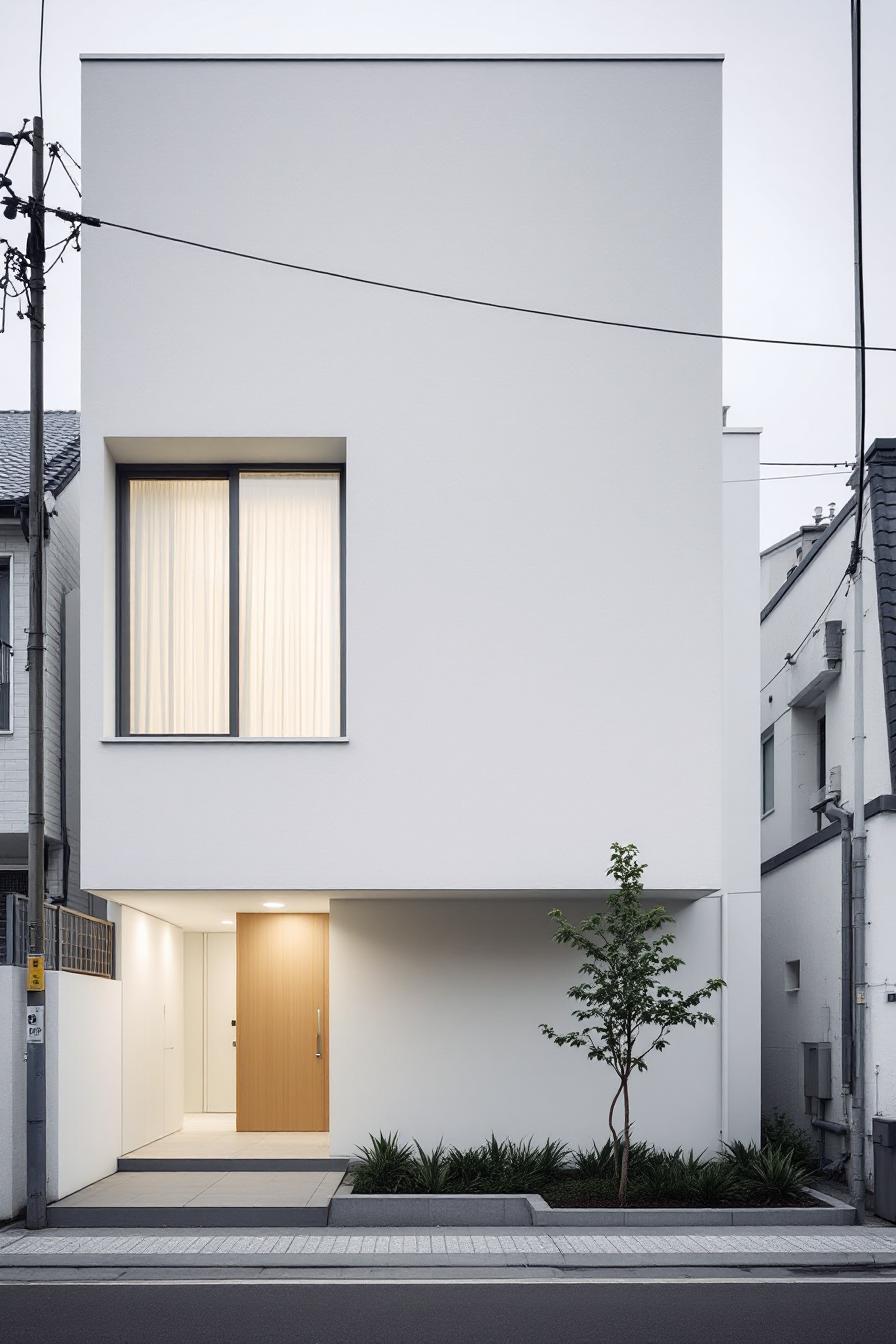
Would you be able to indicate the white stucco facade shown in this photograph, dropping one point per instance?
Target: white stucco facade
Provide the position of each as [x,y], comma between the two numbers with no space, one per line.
[802,986]
[527,503]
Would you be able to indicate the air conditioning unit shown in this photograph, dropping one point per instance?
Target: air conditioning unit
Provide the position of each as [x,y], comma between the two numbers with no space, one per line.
[829,794]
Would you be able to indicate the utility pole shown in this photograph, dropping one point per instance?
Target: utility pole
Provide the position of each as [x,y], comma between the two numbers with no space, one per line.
[857,1108]
[36,1154]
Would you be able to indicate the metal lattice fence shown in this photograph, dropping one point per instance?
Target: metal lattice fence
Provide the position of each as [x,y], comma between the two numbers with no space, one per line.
[73,941]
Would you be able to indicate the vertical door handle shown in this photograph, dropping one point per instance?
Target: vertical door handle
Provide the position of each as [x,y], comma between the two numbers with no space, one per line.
[318,1050]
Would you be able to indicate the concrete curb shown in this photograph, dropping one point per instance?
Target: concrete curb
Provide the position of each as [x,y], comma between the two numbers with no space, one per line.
[633,1260]
[350,1210]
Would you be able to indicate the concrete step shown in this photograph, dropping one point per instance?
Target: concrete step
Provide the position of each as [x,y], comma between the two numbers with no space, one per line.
[233,1164]
[209,1197]
[235,1215]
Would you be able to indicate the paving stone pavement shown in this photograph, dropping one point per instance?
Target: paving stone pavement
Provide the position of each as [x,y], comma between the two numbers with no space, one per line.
[372,1247]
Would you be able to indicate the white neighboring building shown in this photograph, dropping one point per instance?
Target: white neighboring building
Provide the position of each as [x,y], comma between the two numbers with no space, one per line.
[807,752]
[381,594]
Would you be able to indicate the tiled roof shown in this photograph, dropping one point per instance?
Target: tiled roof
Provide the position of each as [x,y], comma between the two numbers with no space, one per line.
[62,452]
[882,486]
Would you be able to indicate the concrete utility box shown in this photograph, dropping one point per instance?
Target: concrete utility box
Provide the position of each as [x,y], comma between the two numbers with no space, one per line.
[883,1132]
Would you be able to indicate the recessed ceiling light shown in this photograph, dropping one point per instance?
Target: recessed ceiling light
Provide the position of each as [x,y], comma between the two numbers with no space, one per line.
[273,905]
[226,921]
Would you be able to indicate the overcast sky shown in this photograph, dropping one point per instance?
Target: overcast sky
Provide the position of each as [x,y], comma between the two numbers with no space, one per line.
[788,222]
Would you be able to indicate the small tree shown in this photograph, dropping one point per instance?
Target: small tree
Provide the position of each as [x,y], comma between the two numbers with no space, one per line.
[626,1010]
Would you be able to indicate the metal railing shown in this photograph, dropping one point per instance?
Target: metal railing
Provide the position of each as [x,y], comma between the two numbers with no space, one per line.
[74,941]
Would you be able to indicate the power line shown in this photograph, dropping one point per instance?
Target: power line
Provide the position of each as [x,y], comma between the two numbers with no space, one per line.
[462,298]
[797,476]
[807,464]
[790,658]
[55,152]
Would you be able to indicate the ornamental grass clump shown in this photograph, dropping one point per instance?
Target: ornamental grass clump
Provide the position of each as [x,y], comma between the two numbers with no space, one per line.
[384,1167]
[742,1174]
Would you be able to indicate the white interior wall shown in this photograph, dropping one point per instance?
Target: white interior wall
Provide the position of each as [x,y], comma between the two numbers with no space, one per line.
[209,1010]
[220,1014]
[152,955]
[84,1063]
[194,1022]
[435,1008]
[12,1092]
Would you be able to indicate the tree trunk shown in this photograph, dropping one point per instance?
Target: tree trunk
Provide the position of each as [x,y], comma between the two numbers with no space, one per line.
[617,1147]
[626,1144]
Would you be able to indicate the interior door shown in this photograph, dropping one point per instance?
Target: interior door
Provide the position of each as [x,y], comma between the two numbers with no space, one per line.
[282,1075]
[220,1016]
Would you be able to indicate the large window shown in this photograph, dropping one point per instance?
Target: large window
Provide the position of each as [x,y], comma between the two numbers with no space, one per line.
[5,643]
[768,773]
[230,602]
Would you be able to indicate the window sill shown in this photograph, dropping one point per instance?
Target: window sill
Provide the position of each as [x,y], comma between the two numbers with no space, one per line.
[223,739]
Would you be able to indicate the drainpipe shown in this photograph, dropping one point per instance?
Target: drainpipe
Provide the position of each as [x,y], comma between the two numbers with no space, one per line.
[844,816]
[63,765]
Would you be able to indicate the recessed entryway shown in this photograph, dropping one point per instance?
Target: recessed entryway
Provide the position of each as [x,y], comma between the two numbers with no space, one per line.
[184,991]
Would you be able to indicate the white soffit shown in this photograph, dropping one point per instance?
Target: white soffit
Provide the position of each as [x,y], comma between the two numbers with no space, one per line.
[204,911]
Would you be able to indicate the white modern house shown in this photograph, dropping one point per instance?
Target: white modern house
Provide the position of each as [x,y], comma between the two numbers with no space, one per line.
[807,763]
[382,642]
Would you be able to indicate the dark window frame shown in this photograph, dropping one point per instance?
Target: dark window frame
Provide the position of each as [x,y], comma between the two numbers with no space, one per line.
[7,567]
[230,472]
[767,739]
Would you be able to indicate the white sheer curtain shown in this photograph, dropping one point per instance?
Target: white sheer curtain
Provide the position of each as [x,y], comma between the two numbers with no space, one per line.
[179,590]
[290,674]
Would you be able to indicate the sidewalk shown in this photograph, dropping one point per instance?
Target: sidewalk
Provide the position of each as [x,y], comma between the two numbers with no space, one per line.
[425,1248]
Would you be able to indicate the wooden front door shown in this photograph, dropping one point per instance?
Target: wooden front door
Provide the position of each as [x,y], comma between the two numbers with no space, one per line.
[282,1075]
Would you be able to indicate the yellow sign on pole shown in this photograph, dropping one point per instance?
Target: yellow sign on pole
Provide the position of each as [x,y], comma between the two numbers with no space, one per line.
[35,977]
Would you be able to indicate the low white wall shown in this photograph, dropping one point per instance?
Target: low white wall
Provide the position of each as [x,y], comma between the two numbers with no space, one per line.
[435,1007]
[83,1080]
[152,1028]
[12,1091]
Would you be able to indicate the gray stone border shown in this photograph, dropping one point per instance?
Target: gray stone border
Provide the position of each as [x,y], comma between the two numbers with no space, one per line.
[350,1210]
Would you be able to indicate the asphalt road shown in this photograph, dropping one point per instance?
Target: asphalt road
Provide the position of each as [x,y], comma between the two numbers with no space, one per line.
[491,1312]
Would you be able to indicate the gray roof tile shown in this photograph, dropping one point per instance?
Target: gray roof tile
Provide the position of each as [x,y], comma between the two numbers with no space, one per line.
[882,489]
[62,452]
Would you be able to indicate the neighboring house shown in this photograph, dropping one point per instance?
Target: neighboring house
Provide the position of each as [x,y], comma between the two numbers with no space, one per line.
[78,938]
[61,433]
[806,750]
[384,630]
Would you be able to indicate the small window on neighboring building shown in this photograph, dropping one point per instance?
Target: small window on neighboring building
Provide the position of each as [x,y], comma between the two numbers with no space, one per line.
[768,773]
[791,976]
[5,643]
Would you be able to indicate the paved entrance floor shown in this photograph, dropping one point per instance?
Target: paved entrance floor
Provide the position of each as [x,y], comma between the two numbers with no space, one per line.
[215,1135]
[200,1198]
[562,1248]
